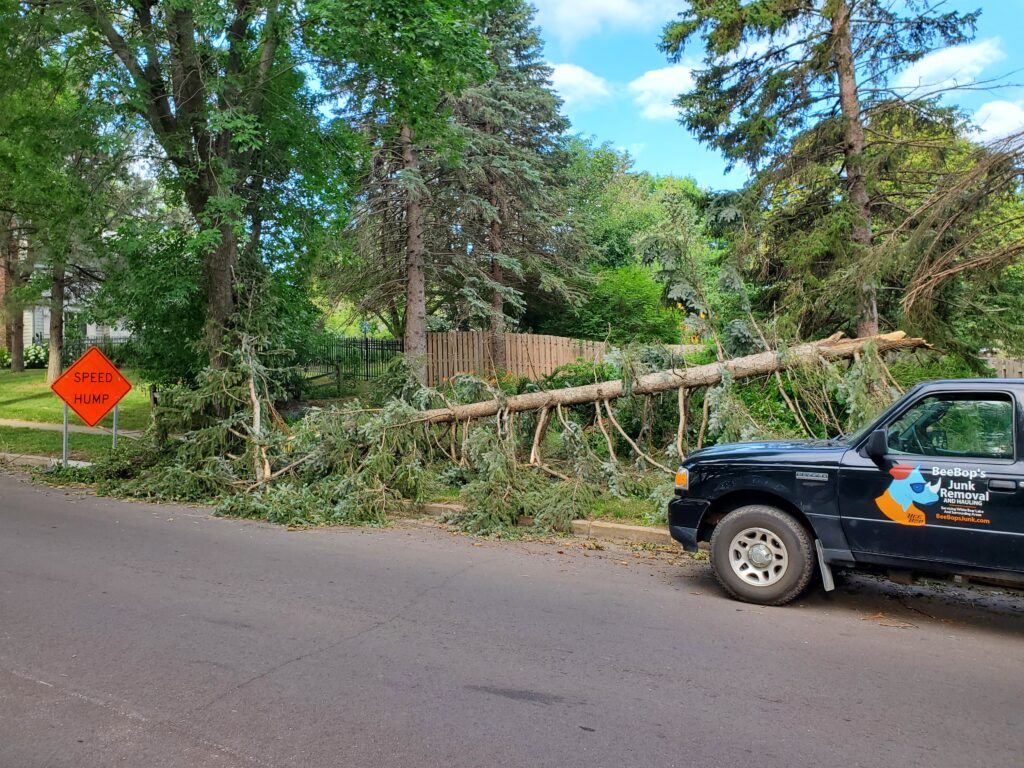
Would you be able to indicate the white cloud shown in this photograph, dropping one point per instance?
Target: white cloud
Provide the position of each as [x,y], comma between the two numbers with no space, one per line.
[949,67]
[998,119]
[579,88]
[633,149]
[655,90]
[573,20]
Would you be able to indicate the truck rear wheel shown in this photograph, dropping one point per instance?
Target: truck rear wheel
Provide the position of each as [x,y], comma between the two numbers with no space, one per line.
[760,554]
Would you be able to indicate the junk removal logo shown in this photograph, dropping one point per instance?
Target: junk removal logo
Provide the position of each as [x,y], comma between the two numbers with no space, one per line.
[962,499]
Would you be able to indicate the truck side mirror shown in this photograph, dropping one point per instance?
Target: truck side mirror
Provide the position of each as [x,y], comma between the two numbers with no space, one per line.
[877,444]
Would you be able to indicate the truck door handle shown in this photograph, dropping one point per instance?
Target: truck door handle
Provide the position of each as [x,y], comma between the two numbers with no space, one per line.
[1002,485]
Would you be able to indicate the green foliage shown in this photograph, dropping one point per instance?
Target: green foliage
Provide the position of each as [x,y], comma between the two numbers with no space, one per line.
[501,490]
[614,204]
[155,289]
[322,503]
[933,230]
[912,369]
[770,71]
[625,306]
[865,391]
[729,420]
[490,177]
[61,475]
[5,358]
[578,374]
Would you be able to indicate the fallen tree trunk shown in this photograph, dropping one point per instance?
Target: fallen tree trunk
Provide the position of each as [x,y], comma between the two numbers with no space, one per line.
[832,348]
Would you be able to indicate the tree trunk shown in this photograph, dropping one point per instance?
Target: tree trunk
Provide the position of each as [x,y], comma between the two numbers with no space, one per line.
[853,129]
[497,339]
[10,263]
[57,291]
[5,324]
[219,273]
[415,269]
[17,349]
[833,348]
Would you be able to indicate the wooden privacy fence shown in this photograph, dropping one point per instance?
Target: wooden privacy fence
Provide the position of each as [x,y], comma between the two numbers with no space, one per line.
[1007,368]
[526,354]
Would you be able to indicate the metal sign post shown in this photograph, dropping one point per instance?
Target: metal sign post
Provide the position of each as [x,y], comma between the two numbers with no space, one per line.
[115,426]
[64,452]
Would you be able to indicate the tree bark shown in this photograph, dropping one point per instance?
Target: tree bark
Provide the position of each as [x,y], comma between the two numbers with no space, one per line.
[497,338]
[219,274]
[832,348]
[415,267]
[10,262]
[5,324]
[17,350]
[56,345]
[853,151]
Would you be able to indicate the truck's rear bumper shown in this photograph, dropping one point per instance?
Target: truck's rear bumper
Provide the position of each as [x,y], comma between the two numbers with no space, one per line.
[684,516]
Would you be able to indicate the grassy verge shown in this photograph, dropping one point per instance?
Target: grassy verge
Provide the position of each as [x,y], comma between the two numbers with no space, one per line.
[27,396]
[630,511]
[36,442]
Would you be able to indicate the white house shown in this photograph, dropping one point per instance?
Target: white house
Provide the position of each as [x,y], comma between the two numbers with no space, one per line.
[37,326]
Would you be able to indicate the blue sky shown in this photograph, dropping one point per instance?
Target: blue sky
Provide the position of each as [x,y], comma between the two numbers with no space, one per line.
[618,87]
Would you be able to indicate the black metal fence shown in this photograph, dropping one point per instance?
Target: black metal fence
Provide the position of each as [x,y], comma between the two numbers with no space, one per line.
[350,358]
[124,353]
[345,358]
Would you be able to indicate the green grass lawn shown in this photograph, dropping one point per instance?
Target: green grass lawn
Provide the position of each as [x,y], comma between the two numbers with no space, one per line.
[27,396]
[630,511]
[36,442]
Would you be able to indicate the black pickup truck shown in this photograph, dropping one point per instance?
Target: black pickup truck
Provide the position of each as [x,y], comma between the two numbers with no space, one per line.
[934,485]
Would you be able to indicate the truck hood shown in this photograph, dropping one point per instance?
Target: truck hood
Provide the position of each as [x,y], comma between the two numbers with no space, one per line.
[816,452]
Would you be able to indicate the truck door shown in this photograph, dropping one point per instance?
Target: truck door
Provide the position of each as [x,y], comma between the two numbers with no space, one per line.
[949,488]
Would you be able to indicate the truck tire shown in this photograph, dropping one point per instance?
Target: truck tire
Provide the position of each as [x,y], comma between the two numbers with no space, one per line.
[760,554]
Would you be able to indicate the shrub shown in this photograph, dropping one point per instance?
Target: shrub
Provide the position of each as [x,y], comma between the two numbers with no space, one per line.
[579,373]
[911,369]
[5,358]
[36,356]
[624,305]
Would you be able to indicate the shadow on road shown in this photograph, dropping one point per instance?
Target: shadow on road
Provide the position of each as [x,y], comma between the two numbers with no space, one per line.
[904,606]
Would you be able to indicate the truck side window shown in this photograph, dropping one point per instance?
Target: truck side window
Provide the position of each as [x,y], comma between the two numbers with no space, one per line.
[975,426]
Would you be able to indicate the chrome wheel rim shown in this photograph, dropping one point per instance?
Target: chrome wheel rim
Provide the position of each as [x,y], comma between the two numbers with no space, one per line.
[758,557]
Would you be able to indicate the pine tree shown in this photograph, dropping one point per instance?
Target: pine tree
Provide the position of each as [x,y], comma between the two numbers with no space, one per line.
[393,73]
[507,230]
[776,71]
[489,191]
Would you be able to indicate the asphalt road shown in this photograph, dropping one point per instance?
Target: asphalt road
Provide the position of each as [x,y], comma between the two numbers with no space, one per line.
[137,635]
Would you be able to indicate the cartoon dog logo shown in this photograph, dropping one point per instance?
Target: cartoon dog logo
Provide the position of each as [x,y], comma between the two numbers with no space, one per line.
[905,492]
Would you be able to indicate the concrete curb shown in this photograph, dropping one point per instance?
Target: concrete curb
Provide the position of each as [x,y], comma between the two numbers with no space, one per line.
[22,460]
[437,509]
[591,529]
[634,534]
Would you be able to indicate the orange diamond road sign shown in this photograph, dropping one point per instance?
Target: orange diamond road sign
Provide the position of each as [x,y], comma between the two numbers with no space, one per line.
[92,386]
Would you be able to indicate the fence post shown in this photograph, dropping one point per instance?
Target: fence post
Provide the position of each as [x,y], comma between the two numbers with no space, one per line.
[337,377]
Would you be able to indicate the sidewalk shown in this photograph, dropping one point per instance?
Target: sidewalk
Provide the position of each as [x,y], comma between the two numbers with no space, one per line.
[76,428]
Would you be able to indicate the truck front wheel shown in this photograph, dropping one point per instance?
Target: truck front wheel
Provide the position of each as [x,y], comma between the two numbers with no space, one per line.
[760,554]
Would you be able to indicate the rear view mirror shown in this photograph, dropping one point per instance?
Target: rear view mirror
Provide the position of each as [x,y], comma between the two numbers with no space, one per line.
[876,445]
